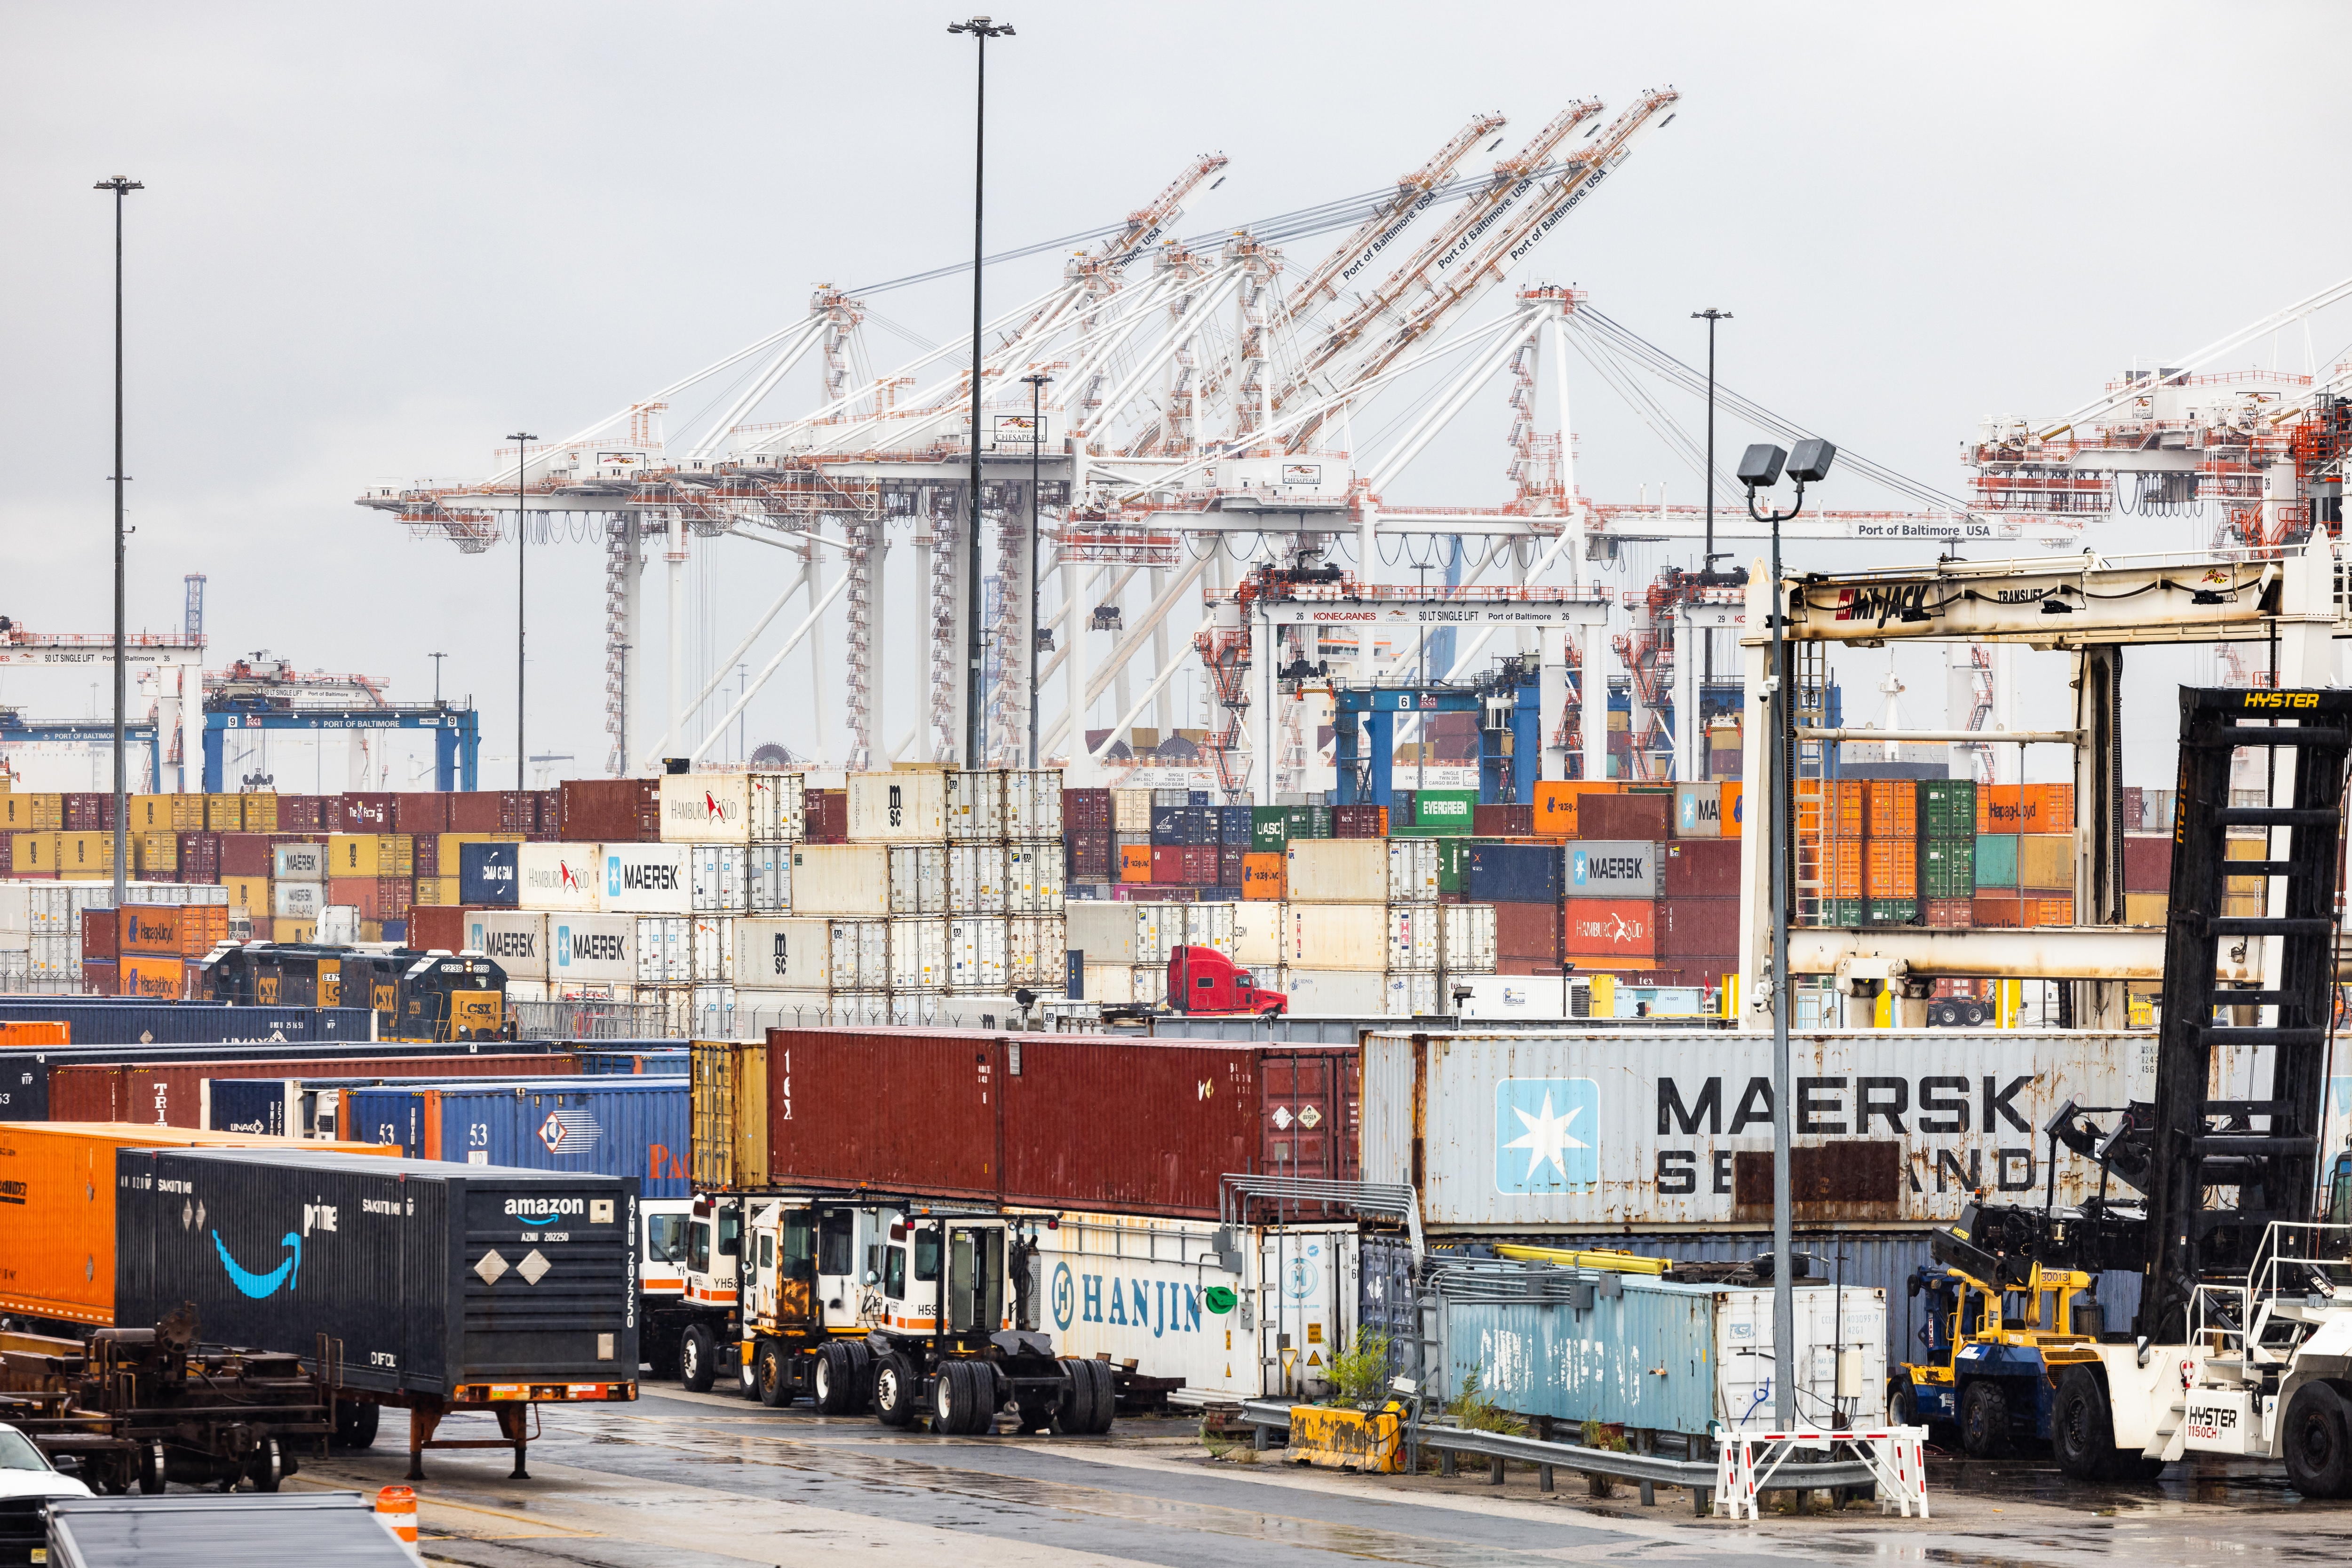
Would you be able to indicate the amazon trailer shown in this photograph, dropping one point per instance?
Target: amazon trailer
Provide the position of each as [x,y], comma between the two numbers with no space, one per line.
[434,1287]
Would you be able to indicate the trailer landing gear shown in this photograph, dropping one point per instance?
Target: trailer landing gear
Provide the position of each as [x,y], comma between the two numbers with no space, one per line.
[517,1428]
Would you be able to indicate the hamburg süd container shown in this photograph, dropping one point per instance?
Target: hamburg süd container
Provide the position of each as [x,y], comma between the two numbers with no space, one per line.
[1599,868]
[706,808]
[1610,928]
[645,879]
[842,879]
[904,806]
[438,1280]
[616,1126]
[560,876]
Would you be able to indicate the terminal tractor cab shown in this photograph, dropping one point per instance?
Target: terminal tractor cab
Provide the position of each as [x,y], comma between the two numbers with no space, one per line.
[911,1308]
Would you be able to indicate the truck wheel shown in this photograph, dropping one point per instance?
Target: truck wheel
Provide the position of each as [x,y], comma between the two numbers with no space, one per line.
[1902,1409]
[2082,1432]
[356,1424]
[895,1389]
[959,1407]
[772,1377]
[1105,1397]
[695,1360]
[859,1397]
[1984,1420]
[831,1380]
[2317,1439]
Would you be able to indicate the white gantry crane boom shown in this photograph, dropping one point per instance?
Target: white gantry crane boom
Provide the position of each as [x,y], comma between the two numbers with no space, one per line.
[1389,221]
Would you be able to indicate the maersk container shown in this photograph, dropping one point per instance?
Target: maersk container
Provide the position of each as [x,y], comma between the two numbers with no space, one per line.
[975,879]
[592,949]
[975,805]
[1032,804]
[903,807]
[979,953]
[1034,877]
[768,879]
[713,936]
[714,875]
[1691,1359]
[645,879]
[1603,868]
[433,1278]
[296,900]
[488,875]
[1468,946]
[560,876]
[1539,1133]
[517,938]
[610,1126]
[842,879]
[706,808]
[918,953]
[298,862]
[665,945]
[918,879]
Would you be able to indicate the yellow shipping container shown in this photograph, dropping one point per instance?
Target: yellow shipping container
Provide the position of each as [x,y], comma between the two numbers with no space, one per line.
[2145,908]
[430,889]
[152,814]
[224,813]
[188,813]
[250,893]
[24,812]
[293,930]
[2045,862]
[83,856]
[154,851]
[33,855]
[261,812]
[371,854]
[2254,847]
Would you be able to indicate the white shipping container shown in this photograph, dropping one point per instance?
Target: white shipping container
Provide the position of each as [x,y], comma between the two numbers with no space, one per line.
[1105,931]
[1032,876]
[1205,926]
[1535,996]
[54,957]
[715,878]
[714,949]
[594,949]
[759,1010]
[16,906]
[1130,811]
[1469,944]
[918,953]
[646,879]
[1110,982]
[777,816]
[1261,933]
[841,879]
[517,991]
[975,802]
[976,879]
[560,876]
[906,806]
[1539,1132]
[20,940]
[1036,952]
[714,1013]
[1413,996]
[339,924]
[1341,935]
[861,956]
[910,1010]
[768,879]
[978,953]
[918,879]
[1032,803]
[296,900]
[1338,871]
[1414,938]
[52,909]
[706,809]
[1335,993]
[665,950]
[298,862]
[1412,870]
[517,938]
[1146,983]
[793,955]
[865,1007]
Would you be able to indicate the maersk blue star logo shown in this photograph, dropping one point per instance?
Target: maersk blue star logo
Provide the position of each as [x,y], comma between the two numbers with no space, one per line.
[1544,1129]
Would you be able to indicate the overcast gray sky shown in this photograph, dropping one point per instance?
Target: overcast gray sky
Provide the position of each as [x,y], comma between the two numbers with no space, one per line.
[377,238]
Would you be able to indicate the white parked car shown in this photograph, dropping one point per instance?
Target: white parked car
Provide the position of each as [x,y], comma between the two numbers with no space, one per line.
[26,1471]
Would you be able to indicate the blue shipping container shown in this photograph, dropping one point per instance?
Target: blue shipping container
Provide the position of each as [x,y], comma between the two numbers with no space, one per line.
[1235,826]
[1513,873]
[488,874]
[90,1021]
[1182,825]
[609,1059]
[609,1127]
[248,1105]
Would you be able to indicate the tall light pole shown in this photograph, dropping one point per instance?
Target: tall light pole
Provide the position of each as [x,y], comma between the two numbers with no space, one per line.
[981,29]
[1036,431]
[122,185]
[522,441]
[1706,562]
[1760,467]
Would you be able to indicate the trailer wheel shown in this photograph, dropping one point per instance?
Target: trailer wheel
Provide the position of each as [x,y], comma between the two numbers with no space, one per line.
[2318,1439]
[1984,1420]
[772,1376]
[151,1468]
[694,1360]
[356,1424]
[2082,1432]
[1105,1397]
[895,1387]
[267,1467]
[1087,1401]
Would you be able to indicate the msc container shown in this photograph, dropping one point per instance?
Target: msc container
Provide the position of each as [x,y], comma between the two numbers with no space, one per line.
[665,944]
[57,1225]
[436,1278]
[517,938]
[613,1126]
[487,874]
[1467,947]
[1607,869]
[784,954]
[592,949]
[841,879]
[1514,873]
[907,806]
[978,953]
[918,953]
[778,808]
[298,862]
[591,811]
[1673,1131]
[706,808]
[646,879]
[976,878]
[918,879]
[975,805]
[1650,1353]
[558,876]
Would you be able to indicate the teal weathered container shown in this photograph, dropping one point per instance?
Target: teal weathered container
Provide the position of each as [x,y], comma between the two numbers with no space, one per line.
[1996,859]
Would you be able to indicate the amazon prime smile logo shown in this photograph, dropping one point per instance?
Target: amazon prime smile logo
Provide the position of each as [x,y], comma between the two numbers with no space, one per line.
[1544,1134]
[261,1287]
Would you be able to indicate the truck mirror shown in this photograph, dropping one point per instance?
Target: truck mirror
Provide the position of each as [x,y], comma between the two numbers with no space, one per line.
[871,1277]
[2139,1346]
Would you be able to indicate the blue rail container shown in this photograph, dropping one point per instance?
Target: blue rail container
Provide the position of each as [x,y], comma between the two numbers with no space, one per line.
[92,1020]
[609,1127]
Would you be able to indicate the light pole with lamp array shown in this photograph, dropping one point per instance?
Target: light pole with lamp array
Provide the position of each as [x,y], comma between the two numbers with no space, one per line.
[1759,469]
[522,553]
[974,719]
[122,185]
[1036,430]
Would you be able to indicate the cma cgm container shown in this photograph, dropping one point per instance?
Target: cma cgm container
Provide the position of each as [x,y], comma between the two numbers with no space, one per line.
[57,1222]
[633,1127]
[439,1281]
[1535,1133]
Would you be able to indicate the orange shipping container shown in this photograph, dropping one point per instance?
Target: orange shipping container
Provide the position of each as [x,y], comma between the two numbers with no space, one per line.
[34,1031]
[1893,811]
[1555,805]
[1842,868]
[2049,911]
[1999,911]
[1135,862]
[1734,802]
[190,930]
[1263,874]
[158,976]
[2025,808]
[1891,867]
[1845,808]
[56,1229]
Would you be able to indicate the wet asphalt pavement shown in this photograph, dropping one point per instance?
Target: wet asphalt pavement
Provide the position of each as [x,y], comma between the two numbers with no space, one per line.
[706,1482]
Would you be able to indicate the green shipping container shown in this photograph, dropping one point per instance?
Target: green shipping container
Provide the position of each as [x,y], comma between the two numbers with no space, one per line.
[1890,911]
[1948,811]
[1308,822]
[1996,859]
[1453,861]
[1269,829]
[1841,912]
[1948,870]
[1443,810]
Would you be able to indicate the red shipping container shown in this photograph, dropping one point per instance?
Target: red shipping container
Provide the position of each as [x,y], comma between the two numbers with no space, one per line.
[476,812]
[88,812]
[1691,926]
[301,813]
[547,812]
[426,858]
[1528,967]
[1638,817]
[1503,820]
[1359,821]
[170,1094]
[244,854]
[98,978]
[1229,865]
[98,935]
[827,812]
[2147,863]
[1085,813]
[438,926]
[1947,914]
[367,812]
[375,897]
[609,810]
[420,811]
[1609,927]
[1702,868]
[7,852]
[1997,911]
[1530,931]
[1168,863]
[200,857]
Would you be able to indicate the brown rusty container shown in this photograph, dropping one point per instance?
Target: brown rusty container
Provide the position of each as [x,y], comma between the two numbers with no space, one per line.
[98,935]
[1642,817]
[1528,931]
[438,927]
[609,810]
[890,1109]
[1702,868]
[420,811]
[170,1094]
[367,812]
[1688,927]
[476,812]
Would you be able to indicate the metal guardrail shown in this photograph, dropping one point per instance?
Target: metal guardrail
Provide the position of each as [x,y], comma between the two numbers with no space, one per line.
[1648,1470]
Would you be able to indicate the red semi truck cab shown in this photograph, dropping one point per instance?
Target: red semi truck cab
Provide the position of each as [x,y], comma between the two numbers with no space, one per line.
[1204,980]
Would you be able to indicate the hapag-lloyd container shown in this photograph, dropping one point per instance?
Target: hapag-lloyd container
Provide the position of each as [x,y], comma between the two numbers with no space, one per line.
[779,814]
[1533,1132]
[918,879]
[560,876]
[517,938]
[975,805]
[616,1126]
[1613,869]
[592,948]
[646,879]
[906,807]
[918,953]
[435,1277]
[976,878]
[841,879]
[706,808]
